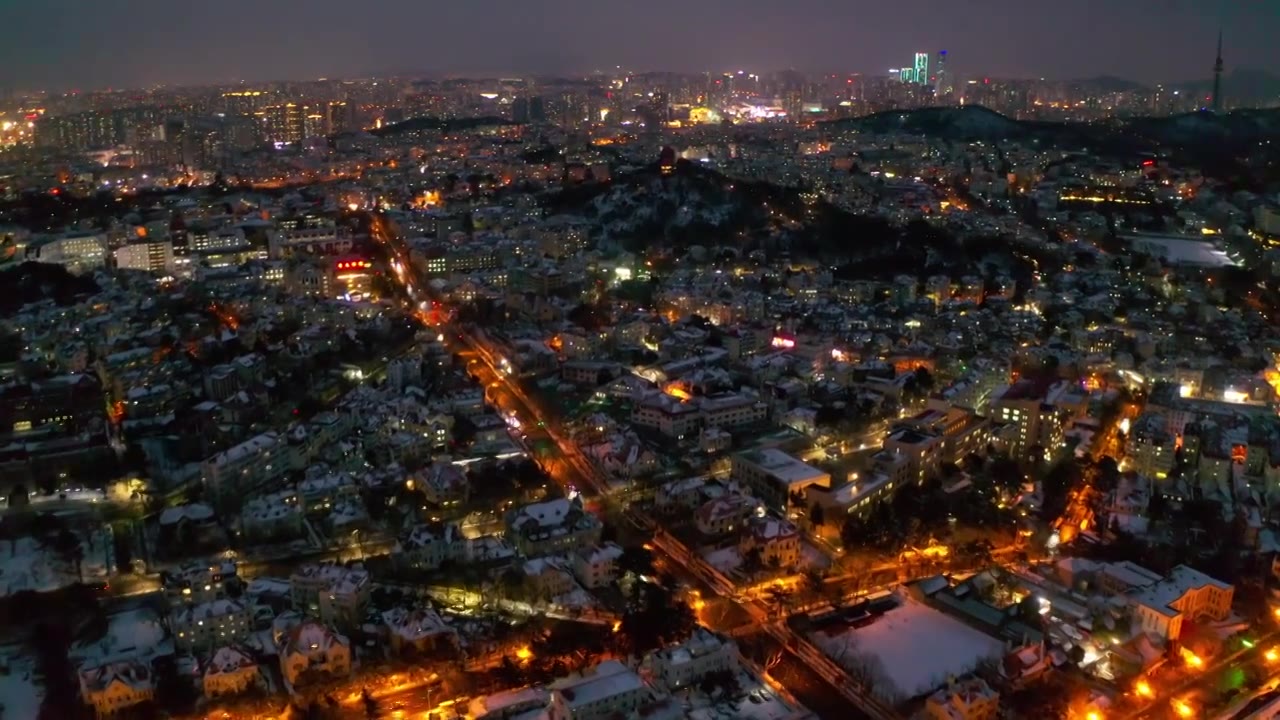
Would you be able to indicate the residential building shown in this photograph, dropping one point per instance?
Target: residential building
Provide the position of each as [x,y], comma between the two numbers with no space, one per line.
[230,670]
[726,514]
[247,466]
[419,630]
[154,256]
[596,567]
[427,547]
[602,692]
[273,517]
[79,251]
[731,410]
[967,699]
[778,542]
[211,624]
[684,665]
[197,582]
[311,652]
[547,577]
[116,686]
[775,476]
[921,451]
[1152,448]
[338,595]
[671,416]
[557,525]
[1034,423]
[1161,609]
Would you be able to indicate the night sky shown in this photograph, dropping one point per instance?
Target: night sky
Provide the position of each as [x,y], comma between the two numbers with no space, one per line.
[129,43]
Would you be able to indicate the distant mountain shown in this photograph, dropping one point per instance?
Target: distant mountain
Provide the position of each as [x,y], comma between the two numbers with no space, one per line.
[1242,86]
[1225,132]
[1110,84]
[972,122]
[1238,127]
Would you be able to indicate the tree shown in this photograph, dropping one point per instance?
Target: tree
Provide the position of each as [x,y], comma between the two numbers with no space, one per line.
[636,560]
[660,618]
[817,515]
[123,549]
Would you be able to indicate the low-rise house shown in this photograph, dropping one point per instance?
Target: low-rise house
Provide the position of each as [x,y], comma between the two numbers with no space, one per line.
[777,541]
[683,665]
[444,484]
[273,517]
[321,491]
[420,630]
[427,547]
[198,582]
[605,691]
[116,686]
[968,699]
[229,671]
[726,514]
[598,566]
[680,494]
[547,577]
[335,593]
[557,525]
[311,652]
[508,704]
[211,624]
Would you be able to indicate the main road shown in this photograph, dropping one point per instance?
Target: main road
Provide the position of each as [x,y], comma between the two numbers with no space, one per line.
[580,475]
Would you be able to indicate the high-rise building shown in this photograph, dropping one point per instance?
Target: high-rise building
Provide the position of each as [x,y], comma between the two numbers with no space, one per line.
[154,256]
[341,117]
[1217,77]
[243,102]
[285,123]
[942,83]
[537,109]
[922,68]
[520,110]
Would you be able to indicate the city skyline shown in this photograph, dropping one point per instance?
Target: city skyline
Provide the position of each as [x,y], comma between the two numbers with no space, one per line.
[100,46]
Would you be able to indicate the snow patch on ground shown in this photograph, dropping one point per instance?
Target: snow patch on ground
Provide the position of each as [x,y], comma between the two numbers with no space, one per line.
[757,702]
[25,564]
[726,559]
[20,694]
[136,634]
[910,650]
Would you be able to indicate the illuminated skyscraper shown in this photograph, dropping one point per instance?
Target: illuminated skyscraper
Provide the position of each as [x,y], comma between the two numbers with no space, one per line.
[942,85]
[922,68]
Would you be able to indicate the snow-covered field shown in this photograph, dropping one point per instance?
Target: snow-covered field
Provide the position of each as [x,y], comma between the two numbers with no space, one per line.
[20,694]
[910,650]
[27,565]
[133,634]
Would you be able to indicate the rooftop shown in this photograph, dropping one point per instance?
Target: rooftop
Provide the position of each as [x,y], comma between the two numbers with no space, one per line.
[608,679]
[783,466]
